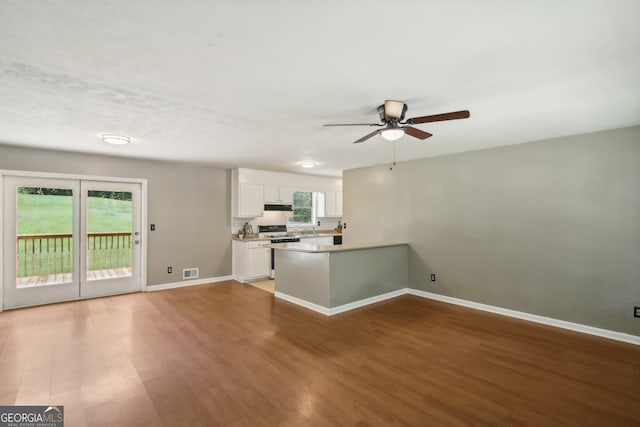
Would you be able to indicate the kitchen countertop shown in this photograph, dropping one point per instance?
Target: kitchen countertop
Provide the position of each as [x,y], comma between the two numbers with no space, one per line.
[311,248]
[302,236]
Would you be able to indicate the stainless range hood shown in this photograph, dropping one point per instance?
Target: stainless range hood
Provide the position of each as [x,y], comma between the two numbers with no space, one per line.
[277,207]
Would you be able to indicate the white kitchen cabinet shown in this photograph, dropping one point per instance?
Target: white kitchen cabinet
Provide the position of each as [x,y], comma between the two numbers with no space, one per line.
[332,203]
[338,203]
[278,195]
[250,200]
[247,199]
[251,260]
[286,194]
[259,260]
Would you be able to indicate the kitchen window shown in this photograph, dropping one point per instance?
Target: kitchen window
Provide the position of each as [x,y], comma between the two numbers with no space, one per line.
[303,213]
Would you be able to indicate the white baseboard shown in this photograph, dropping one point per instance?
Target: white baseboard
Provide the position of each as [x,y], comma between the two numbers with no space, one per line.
[306,304]
[577,327]
[247,281]
[366,301]
[185,283]
[341,308]
[605,333]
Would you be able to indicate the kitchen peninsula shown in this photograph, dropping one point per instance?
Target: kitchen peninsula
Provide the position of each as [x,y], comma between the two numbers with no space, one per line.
[331,279]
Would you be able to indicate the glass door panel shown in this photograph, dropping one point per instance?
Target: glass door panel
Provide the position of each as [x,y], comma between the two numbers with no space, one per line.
[44,222]
[111,244]
[40,225]
[110,234]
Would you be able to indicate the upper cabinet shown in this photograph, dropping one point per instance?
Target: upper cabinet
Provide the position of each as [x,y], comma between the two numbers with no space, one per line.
[278,195]
[251,189]
[332,203]
[250,201]
[247,199]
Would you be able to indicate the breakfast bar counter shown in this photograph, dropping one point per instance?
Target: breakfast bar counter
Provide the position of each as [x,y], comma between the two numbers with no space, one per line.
[334,278]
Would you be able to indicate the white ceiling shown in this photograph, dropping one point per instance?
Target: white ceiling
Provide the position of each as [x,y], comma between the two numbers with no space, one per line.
[250,83]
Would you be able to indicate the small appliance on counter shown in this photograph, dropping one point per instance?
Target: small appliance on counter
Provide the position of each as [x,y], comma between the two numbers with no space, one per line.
[246,231]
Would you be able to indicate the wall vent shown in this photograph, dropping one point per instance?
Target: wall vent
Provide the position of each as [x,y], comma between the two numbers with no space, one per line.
[190,273]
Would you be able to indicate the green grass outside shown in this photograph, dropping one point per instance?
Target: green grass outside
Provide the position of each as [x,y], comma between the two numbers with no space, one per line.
[54,214]
[47,214]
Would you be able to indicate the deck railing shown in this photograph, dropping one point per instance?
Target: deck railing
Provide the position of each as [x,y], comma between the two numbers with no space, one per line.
[109,250]
[46,254]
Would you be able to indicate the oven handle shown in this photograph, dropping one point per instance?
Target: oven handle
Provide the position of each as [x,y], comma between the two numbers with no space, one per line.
[273,259]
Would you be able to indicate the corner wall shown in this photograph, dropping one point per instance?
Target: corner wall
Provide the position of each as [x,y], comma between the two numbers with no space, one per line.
[190,206]
[550,228]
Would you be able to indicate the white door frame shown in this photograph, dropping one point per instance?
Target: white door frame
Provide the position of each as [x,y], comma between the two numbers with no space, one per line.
[143,221]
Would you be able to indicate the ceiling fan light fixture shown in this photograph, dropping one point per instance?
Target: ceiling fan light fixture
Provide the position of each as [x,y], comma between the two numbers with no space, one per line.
[116,139]
[395,109]
[307,164]
[392,134]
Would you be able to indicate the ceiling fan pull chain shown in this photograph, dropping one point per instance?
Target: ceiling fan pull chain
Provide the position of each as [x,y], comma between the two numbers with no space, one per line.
[394,156]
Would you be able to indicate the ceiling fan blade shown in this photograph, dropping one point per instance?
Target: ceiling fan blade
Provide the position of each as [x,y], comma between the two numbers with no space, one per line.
[364,138]
[464,114]
[417,133]
[353,124]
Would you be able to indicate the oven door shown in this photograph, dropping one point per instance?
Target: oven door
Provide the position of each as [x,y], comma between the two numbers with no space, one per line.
[272,272]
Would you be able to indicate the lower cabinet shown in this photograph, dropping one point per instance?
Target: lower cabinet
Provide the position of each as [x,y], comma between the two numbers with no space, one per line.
[251,260]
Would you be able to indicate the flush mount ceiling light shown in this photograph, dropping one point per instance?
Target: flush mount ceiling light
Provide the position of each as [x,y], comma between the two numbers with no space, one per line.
[116,139]
[308,164]
[392,134]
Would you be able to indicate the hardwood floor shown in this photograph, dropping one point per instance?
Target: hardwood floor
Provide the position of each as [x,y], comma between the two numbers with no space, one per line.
[231,355]
[265,285]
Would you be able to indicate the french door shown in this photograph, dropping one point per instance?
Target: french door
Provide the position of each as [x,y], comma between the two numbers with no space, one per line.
[67,239]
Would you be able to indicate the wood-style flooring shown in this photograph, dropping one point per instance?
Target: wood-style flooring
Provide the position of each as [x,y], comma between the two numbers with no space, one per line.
[265,285]
[231,355]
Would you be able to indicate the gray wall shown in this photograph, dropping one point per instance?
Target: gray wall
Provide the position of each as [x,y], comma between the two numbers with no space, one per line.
[550,227]
[190,206]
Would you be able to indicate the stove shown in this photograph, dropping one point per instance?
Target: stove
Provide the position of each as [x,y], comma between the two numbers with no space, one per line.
[277,234]
[285,239]
[272,231]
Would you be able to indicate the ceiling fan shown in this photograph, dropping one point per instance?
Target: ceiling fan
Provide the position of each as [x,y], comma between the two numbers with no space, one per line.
[392,116]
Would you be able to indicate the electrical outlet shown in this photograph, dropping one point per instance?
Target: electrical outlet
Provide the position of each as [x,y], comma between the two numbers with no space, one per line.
[153,227]
[433,277]
[636,311]
[169,270]
[318,223]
